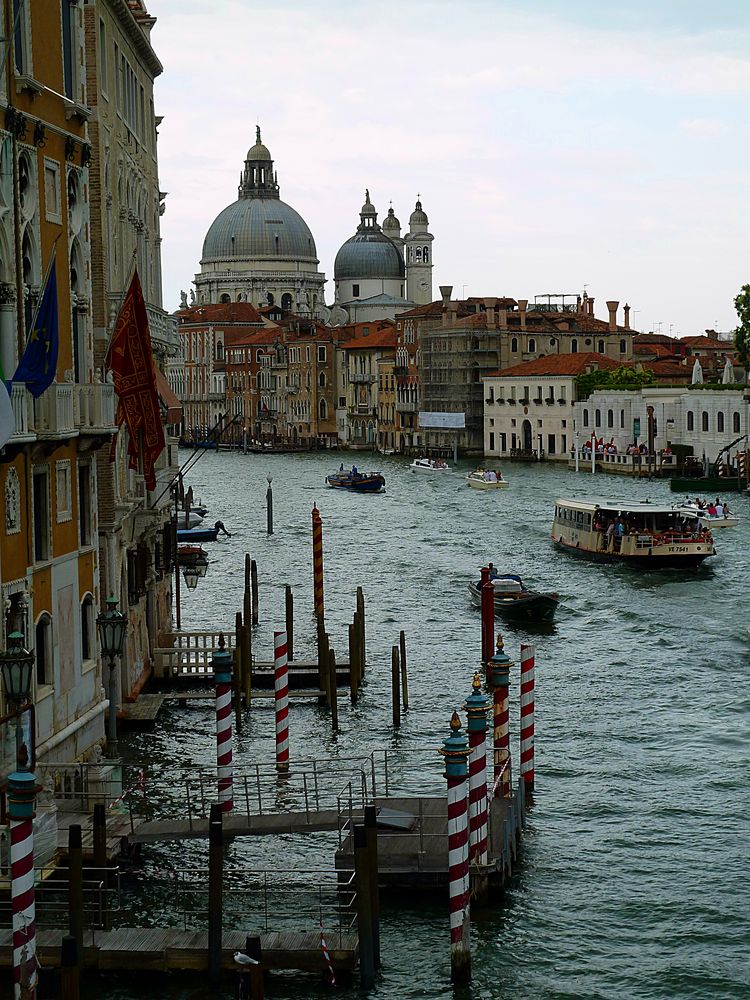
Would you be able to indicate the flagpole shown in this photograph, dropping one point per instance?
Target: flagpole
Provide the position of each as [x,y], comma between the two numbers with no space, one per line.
[38,305]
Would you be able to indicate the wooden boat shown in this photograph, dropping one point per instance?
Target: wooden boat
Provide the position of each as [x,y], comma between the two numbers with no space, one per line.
[477,481]
[356,482]
[716,520]
[191,555]
[202,534]
[429,465]
[514,603]
[646,535]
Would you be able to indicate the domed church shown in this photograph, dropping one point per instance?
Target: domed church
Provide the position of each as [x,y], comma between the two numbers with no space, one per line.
[259,249]
[378,273]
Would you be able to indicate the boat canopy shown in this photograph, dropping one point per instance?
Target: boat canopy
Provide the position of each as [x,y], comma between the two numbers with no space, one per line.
[593,504]
[507,585]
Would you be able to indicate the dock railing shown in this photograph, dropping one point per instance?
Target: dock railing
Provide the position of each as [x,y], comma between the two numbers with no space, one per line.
[100,896]
[190,653]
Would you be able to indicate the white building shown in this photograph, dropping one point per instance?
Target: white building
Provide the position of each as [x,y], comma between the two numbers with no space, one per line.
[530,408]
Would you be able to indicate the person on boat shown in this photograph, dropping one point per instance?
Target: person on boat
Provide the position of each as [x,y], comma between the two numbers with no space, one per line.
[493,571]
[725,509]
[491,477]
[486,475]
[619,532]
[341,467]
[499,476]
[610,534]
[354,470]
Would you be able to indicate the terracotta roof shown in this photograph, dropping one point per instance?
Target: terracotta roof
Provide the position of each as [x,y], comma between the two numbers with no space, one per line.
[669,369]
[221,312]
[655,350]
[708,342]
[248,338]
[656,338]
[559,364]
[168,398]
[373,340]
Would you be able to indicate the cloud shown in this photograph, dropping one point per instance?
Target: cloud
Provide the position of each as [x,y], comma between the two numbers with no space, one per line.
[703,128]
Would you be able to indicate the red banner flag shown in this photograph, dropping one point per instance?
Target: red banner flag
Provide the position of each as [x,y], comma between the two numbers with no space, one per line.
[131,362]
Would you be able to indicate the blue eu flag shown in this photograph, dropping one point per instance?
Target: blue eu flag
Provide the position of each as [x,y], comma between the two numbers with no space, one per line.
[39,362]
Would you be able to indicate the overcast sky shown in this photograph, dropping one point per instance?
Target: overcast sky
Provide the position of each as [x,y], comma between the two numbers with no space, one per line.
[557,144]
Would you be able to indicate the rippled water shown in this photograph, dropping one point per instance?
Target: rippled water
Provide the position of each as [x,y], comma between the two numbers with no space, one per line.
[633,876]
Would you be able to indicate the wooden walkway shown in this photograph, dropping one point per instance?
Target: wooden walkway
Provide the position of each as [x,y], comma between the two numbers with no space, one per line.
[240,825]
[118,831]
[129,949]
[142,713]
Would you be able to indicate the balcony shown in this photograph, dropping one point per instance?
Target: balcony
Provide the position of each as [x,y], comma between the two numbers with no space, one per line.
[22,403]
[54,412]
[94,408]
[363,377]
[163,329]
[406,406]
[400,370]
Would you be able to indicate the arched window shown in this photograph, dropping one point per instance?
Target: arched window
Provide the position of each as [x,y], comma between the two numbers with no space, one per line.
[690,420]
[219,350]
[322,409]
[574,346]
[286,302]
[43,637]
[736,422]
[88,626]
[418,254]
[720,422]
[622,418]
[532,344]
[704,420]
[514,346]
[225,298]
[322,380]
[610,418]
[600,347]
[426,255]
[597,418]
[585,418]
[623,347]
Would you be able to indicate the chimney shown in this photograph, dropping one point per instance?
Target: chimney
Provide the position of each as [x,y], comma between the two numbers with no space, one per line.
[612,307]
[522,303]
[490,308]
[502,315]
[591,305]
[626,321]
[445,292]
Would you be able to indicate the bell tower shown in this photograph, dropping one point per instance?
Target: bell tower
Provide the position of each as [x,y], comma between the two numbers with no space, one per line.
[418,257]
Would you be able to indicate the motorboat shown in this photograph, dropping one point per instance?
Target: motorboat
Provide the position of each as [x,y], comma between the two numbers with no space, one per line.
[642,534]
[711,516]
[191,555]
[202,534]
[429,465]
[486,479]
[356,482]
[189,519]
[514,603]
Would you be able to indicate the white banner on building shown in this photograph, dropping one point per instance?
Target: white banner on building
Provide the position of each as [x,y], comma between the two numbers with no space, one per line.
[444,421]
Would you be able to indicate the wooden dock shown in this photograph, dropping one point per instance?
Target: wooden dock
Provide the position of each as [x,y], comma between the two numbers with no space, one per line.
[141,949]
[142,713]
[239,825]
[118,830]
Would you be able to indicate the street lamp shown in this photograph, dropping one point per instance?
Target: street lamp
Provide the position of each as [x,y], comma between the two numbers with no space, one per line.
[112,625]
[192,575]
[17,665]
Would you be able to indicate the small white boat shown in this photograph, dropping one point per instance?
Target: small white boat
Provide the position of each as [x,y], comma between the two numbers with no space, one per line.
[482,479]
[188,520]
[716,520]
[429,465]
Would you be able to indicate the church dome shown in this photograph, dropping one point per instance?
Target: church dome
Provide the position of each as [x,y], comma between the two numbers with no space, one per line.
[258,152]
[418,217]
[390,222]
[368,255]
[259,227]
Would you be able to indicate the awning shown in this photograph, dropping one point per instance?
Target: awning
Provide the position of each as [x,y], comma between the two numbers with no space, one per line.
[168,398]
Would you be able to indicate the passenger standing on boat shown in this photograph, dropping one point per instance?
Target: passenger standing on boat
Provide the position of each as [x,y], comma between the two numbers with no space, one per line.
[354,470]
[341,467]
[493,571]
[610,534]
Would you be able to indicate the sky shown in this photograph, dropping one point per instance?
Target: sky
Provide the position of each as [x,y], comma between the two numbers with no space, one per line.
[557,145]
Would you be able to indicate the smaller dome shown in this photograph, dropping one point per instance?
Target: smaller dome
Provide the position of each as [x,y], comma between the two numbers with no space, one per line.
[391,221]
[258,151]
[418,216]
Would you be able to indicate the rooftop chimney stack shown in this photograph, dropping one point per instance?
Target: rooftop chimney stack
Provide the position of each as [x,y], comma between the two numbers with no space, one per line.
[522,303]
[591,305]
[626,321]
[612,307]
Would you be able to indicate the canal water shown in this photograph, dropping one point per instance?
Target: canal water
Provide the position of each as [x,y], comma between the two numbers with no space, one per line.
[633,879]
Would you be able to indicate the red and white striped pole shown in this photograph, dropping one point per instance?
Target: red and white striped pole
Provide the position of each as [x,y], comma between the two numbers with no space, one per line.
[498,676]
[222,667]
[477,708]
[281,696]
[21,793]
[527,718]
[455,750]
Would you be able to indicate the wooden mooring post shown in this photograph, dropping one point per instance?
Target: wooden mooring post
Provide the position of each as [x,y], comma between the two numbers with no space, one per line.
[246,654]
[363,644]
[253,974]
[215,887]
[75,885]
[404,678]
[371,831]
[317,541]
[70,968]
[333,693]
[362,878]
[323,672]
[238,679]
[353,672]
[254,588]
[396,686]
[289,618]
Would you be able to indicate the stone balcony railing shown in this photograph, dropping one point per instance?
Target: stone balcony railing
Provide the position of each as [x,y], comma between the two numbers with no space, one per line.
[65,409]
[22,403]
[406,406]
[54,411]
[361,377]
[94,408]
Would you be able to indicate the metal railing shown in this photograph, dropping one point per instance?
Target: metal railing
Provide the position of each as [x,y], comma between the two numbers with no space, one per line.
[100,896]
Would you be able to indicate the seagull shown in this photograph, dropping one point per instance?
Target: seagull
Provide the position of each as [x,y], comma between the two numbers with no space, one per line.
[242,959]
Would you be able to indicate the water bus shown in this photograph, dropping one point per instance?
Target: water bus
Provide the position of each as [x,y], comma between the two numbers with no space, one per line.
[646,535]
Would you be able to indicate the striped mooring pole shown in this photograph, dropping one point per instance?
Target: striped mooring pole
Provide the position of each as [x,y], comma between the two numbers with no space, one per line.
[222,667]
[477,707]
[527,718]
[281,700]
[317,533]
[455,750]
[499,680]
[487,606]
[21,792]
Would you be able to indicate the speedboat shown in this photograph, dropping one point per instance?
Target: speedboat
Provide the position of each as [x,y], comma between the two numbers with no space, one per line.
[356,482]
[484,479]
[717,519]
[515,603]
[429,465]
[643,534]
[201,534]
[189,519]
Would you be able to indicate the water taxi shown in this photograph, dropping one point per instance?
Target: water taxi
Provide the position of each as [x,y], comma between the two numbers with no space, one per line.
[711,515]
[429,465]
[645,534]
[484,479]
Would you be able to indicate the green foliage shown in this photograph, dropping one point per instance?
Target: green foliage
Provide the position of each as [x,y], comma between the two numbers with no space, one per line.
[742,332]
[622,378]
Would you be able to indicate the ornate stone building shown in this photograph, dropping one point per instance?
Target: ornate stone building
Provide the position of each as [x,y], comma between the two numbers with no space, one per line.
[259,249]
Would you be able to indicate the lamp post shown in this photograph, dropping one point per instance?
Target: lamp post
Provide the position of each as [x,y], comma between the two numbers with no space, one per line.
[112,625]
[17,665]
[269,505]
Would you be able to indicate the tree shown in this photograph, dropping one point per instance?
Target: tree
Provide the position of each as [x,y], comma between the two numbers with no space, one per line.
[623,378]
[742,333]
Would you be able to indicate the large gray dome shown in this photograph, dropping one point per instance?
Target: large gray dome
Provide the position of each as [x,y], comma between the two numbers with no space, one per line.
[259,227]
[368,255]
